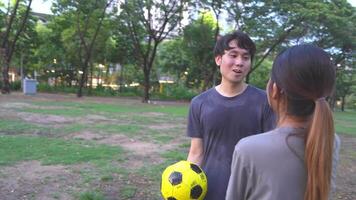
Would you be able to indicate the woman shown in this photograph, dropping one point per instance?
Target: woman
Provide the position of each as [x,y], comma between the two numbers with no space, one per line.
[297,160]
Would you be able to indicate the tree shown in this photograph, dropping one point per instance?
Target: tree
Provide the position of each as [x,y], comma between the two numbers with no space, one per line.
[346,79]
[15,22]
[88,19]
[275,26]
[199,42]
[148,23]
[172,58]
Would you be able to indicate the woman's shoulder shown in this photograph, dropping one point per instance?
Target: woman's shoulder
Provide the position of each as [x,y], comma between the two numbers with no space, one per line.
[255,142]
[263,143]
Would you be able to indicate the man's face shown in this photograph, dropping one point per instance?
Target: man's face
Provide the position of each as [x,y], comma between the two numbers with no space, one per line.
[234,64]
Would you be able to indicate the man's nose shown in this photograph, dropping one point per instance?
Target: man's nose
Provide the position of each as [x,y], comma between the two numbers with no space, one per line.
[238,61]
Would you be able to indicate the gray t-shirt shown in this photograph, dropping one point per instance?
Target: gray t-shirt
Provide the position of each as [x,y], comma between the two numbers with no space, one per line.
[221,122]
[265,167]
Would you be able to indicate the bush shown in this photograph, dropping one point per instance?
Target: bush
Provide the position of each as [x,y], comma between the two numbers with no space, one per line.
[175,92]
[351,102]
[170,91]
[98,91]
[15,86]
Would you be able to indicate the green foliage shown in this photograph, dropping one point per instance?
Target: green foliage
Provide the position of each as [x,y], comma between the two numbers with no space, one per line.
[175,92]
[14,86]
[172,60]
[147,31]
[44,87]
[351,102]
[275,26]
[53,151]
[199,42]
[260,76]
[98,91]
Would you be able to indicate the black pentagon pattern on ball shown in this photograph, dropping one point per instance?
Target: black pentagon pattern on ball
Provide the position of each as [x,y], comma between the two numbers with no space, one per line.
[195,168]
[171,198]
[175,178]
[195,192]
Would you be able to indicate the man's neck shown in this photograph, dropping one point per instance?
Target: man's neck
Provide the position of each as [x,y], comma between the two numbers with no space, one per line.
[231,90]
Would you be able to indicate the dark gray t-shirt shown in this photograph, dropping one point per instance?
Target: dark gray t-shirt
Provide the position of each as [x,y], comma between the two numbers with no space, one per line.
[265,167]
[221,122]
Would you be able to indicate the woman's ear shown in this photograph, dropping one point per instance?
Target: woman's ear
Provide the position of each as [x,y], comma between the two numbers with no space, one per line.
[276,92]
[218,60]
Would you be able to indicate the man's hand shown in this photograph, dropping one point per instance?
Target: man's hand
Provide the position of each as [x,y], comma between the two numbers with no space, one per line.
[196,151]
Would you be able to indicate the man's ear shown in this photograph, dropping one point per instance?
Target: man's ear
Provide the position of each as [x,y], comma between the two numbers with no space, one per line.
[218,60]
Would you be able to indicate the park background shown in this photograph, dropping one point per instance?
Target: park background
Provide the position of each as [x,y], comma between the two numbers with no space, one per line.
[114,80]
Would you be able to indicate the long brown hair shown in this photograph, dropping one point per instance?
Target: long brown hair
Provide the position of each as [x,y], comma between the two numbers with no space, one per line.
[306,76]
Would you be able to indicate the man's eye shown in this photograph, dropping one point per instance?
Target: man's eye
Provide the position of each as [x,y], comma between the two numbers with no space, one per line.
[233,55]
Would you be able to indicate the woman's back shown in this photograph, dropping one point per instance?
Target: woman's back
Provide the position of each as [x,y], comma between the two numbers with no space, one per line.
[271,166]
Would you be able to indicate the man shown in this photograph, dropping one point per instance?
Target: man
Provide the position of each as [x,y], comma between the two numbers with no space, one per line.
[221,116]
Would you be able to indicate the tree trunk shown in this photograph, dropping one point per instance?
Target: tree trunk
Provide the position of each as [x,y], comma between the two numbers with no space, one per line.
[146,95]
[209,79]
[90,90]
[343,103]
[82,80]
[121,80]
[5,73]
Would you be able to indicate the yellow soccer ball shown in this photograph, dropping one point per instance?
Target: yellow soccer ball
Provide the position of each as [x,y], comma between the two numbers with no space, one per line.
[183,181]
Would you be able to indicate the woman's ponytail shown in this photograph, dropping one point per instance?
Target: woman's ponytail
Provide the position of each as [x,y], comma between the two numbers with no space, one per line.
[318,152]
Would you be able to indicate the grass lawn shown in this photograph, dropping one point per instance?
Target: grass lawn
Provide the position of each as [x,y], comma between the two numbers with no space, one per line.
[60,147]
[345,122]
[111,150]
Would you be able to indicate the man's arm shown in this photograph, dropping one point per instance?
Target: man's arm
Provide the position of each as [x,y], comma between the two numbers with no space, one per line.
[196,151]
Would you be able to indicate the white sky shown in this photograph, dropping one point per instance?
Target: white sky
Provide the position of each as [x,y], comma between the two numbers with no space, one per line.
[44,6]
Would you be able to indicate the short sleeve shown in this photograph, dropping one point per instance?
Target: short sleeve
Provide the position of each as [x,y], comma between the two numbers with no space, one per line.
[194,127]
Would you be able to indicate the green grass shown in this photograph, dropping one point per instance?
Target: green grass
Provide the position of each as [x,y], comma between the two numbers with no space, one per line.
[133,121]
[175,155]
[128,192]
[53,151]
[56,111]
[75,108]
[126,129]
[71,128]
[91,196]
[17,127]
[345,122]
[181,111]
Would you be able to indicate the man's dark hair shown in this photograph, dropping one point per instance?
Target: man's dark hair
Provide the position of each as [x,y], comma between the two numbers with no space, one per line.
[243,42]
